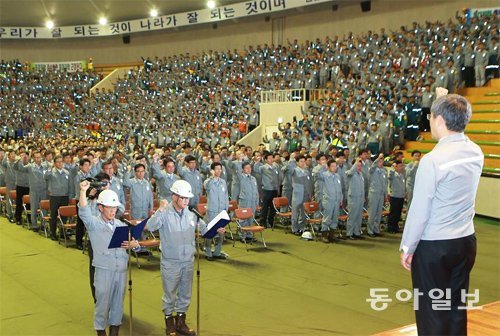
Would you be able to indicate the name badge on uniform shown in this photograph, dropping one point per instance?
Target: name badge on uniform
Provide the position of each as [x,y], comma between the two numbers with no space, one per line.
[222,189]
[67,177]
[338,181]
[198,177]
[118,187]
[147,188]
[308,177]
[192,223]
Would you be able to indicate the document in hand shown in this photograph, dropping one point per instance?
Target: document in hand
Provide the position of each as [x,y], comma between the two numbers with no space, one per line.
[121,234]
[219,221]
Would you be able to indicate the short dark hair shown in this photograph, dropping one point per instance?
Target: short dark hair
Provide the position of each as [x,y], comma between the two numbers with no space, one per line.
[416,152]
[139,165]
[189,158]
[331,161]
[83,161]
[298,158]
[454,109]
[102,176]
[244,164]
[215,164]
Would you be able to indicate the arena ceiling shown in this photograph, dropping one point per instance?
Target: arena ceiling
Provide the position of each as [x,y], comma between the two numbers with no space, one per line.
[34,13]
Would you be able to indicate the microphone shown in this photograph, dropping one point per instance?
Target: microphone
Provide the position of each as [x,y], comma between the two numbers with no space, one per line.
[196,212]
[126,221]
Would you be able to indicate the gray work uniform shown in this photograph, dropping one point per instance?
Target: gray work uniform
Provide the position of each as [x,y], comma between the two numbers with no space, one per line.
[235,183]
[366,175]
[287,171]
[141,196]
[10,183]
[302,192]
[116,184]
[248,198]
[38,188]
[2,175]
[217,200]
[110,269]
[193,177]
[331,199]
[411,172]
[164,181]
[177,236]
[356,199]
[376,197]
[318,184]
[59,182]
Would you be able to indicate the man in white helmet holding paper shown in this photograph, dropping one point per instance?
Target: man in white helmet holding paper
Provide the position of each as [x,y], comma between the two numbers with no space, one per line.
[110,264]
[177,226]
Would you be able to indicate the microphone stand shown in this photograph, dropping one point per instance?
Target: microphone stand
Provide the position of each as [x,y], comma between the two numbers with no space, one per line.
[129,225]
[130,279]
[198,273]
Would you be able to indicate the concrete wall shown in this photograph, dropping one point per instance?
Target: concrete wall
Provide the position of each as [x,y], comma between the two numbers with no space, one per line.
[487,198]
[308,23]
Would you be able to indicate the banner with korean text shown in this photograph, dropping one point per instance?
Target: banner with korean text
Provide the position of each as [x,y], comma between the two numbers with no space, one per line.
[233,11]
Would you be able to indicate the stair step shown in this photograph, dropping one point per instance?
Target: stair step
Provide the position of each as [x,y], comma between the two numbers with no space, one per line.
[485,102]
[480,110]
[489,94]
[485,116]
[482,126]
[486,146]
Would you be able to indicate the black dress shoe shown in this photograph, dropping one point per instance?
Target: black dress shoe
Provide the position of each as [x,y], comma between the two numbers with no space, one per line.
[359,237]
[80,247]
[378,234]
[220,256]
[351,237]
[35,229]
[209,258]
[372,235]
[53,238]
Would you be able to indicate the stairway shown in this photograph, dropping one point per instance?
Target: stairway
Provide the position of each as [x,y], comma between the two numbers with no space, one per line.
[106,69]
[483,128]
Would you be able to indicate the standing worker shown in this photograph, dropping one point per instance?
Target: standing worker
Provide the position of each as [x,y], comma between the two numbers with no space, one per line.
[177,226]
[438,244]
[60,187]
[110,264]
[217,201]
[376,195]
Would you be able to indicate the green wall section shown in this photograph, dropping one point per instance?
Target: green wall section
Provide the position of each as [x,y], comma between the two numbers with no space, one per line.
[294,287]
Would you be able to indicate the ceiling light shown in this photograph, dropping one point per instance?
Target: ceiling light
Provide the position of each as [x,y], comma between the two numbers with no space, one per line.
[49,24]
[153,13]
[211,4]
[103,20]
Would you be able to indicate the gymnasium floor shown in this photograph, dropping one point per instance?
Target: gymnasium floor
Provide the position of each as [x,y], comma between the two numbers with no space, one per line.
[293,288]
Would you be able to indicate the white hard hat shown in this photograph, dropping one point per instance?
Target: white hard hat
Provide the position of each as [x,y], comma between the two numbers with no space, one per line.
[307,235]
[182,188]
[108,198]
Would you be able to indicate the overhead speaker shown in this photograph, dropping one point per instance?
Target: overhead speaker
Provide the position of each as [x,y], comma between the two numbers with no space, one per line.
[366,6]
[126,39]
